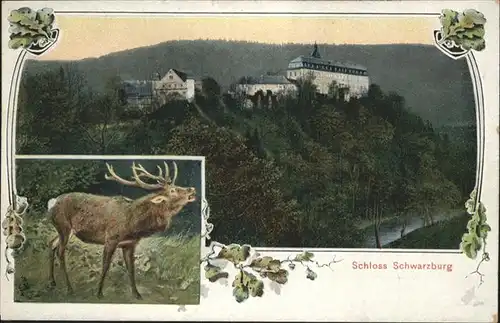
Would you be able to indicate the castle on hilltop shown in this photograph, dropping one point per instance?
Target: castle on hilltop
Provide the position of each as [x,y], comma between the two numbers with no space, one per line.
[352,78]
[324,72]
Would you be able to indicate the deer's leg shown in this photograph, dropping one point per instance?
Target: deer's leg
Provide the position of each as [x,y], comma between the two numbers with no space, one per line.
[64,235]
[128,257]
[107,255]
[53,245]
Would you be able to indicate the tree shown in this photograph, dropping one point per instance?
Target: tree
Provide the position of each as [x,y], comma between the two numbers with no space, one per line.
[254,142]
[48,111]
[100,117]
[326,122]
[306,100]
[41,180]
[246,201]
[333,91]
[210,87]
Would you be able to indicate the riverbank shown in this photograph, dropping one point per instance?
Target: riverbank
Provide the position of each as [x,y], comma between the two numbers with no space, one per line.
[391,226]
[445,234]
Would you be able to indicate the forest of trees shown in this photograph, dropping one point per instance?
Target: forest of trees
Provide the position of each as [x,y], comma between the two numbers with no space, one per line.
[303,170]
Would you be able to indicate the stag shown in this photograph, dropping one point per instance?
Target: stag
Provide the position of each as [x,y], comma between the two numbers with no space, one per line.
[116,221]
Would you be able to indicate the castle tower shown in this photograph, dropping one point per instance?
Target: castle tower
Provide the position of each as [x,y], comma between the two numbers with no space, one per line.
[315,52]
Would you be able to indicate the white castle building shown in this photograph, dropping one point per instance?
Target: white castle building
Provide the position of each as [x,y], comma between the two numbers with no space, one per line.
[324,72]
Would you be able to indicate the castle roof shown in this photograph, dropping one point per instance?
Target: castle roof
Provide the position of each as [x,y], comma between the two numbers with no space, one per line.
[320,61]
[138,88]
[267,79]
[184,75]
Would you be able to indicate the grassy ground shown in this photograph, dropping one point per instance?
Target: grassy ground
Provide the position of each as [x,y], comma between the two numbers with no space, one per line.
[445,234]
[167,270]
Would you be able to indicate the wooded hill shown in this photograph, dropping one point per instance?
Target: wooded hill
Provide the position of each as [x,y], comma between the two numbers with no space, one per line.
[434,86]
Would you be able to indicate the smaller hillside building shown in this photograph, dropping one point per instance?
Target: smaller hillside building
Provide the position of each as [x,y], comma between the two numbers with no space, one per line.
[139,94]
[277,84]
[174,83]
[142,94]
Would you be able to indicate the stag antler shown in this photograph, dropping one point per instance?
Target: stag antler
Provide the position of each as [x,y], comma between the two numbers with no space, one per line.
[175,172]
[139,171]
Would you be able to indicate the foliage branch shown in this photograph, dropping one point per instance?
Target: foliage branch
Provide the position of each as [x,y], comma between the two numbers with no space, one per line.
[12,226]
[254,268]
[465,29]
[474,240]
[28,27]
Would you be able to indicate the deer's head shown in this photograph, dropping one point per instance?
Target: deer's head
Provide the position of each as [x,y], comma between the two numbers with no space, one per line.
[165,190]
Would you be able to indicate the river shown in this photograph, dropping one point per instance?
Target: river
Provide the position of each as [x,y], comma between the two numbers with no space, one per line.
[390,230]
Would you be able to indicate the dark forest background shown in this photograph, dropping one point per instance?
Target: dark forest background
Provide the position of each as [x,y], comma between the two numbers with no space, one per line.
[41,180]
[302,170]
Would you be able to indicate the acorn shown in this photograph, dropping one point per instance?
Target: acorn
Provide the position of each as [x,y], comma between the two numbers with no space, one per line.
[9,219]
[6,231]
[10,269]
[15,229]
[15,241]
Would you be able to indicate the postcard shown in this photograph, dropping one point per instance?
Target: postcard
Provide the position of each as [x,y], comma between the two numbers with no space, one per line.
[250,160]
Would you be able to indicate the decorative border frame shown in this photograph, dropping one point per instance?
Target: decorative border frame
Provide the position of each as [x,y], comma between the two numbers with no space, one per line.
[16,202]
[451,49]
